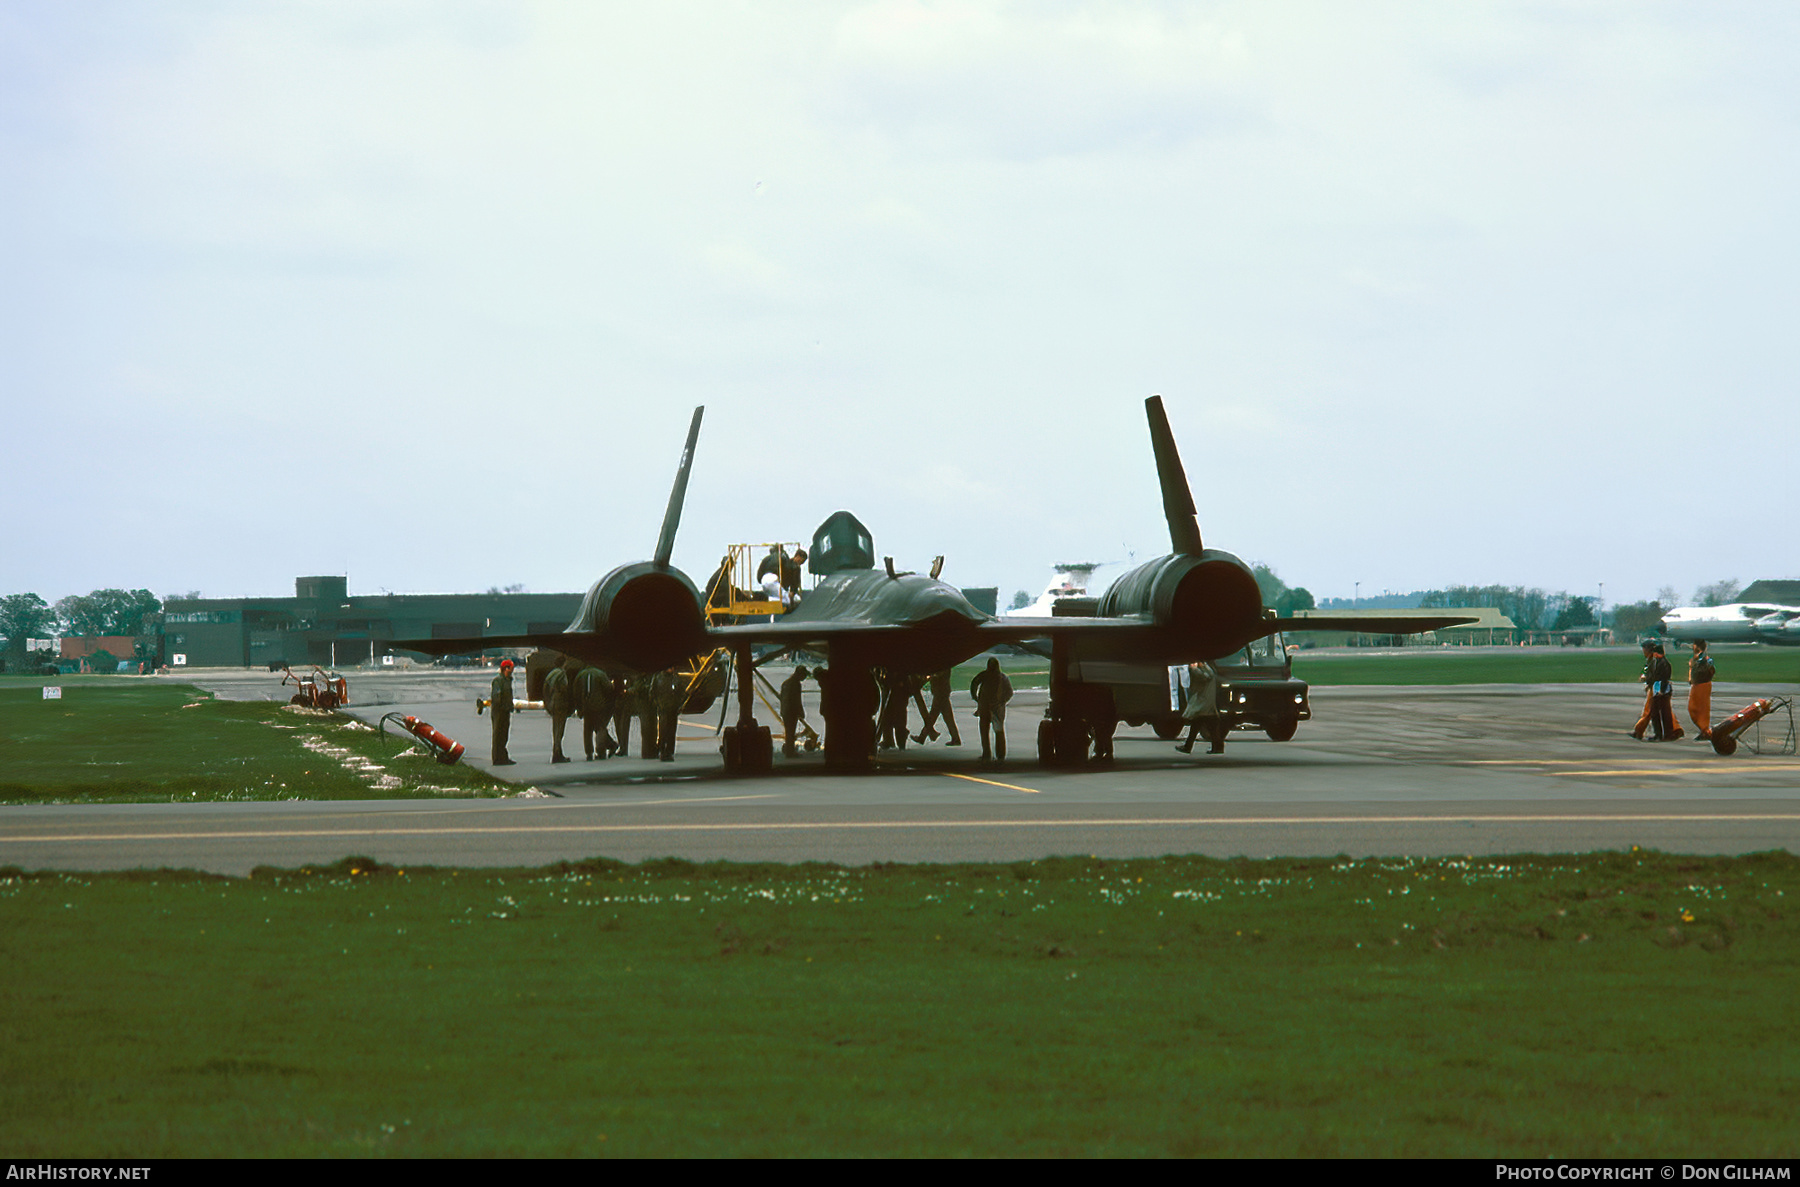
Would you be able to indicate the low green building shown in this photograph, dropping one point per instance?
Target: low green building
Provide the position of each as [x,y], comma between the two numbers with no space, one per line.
[323,624]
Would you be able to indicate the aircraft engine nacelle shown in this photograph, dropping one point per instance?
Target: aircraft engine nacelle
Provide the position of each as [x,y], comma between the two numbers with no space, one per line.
[1210,600]
[647,615]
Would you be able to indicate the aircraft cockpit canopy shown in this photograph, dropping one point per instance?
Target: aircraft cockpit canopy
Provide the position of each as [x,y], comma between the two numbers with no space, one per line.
[841,544]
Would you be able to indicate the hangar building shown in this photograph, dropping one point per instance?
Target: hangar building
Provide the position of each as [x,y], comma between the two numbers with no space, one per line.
[322,624]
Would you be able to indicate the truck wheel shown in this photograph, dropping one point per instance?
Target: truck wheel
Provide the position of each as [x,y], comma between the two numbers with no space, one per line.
[1168,728]
[1282,730]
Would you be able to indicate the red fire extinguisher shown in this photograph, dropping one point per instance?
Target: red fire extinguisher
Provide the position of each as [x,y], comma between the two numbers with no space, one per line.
[445,749]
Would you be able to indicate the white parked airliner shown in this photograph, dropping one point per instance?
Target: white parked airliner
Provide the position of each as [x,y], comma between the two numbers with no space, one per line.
[1740,622]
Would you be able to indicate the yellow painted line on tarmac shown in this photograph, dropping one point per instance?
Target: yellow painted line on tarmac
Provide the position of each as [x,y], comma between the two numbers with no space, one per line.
[1576,762]
[991,783]
[510,804]
[874,825]
[1713,769]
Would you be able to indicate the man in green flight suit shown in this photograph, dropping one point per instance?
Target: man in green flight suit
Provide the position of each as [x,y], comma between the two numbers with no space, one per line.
[668,691]
[500,707]
[559,703]
[594,701]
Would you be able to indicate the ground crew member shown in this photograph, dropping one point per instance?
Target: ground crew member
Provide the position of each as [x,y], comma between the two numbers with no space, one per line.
[593,700]
[500,707]
[559,703]
[793,711]
[939,684]
[624,709]
[668,691]
[779,575]
[1644,719]
[644,690]
[1662,690]
[992,690]
[1202,708]
[894,691]
[1700,678]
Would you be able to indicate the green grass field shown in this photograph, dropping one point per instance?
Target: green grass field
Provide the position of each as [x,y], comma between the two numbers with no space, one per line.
[115,739]
[1630,1004]
[1535,665]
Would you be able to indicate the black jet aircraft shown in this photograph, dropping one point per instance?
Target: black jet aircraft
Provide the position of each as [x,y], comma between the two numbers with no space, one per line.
[1196,603]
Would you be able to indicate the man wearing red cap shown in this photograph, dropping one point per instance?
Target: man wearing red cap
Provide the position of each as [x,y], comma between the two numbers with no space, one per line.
[500,707]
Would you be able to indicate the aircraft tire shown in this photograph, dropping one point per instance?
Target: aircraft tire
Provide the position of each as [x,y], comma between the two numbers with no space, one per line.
[1047,742]
[731,750]
[759,751]
[1071,741]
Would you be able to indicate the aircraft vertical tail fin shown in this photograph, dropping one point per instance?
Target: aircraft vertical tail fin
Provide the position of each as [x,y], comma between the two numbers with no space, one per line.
[665,543]
[1178,500]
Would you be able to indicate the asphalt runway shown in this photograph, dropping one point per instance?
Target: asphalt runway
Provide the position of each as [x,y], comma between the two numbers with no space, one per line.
[1463,769]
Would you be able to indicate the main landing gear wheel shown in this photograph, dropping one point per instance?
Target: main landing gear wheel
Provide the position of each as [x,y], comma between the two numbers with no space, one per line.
[748,750]
[1062,743]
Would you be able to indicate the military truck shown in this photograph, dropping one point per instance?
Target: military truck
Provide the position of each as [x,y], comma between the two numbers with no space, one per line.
[1257,691]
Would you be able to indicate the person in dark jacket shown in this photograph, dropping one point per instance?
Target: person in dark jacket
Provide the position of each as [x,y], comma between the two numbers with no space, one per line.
[1662,697]
[992,690]
[500,709]
[793,710]
[1700,678]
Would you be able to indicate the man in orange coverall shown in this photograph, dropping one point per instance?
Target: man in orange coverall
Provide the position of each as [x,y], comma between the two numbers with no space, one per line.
[1700,678]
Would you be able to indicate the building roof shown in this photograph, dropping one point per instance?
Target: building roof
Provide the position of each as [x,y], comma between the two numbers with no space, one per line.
[1786,593]
[1487,618]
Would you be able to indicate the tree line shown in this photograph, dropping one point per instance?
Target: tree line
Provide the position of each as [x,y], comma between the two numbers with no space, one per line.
[103,612]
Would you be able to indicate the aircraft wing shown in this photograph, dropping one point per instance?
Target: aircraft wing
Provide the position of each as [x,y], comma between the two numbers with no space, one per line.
[577,643]
[465,645]
[1371,626]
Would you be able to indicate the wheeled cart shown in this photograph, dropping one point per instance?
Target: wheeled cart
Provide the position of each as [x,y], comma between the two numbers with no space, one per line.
[1759,725]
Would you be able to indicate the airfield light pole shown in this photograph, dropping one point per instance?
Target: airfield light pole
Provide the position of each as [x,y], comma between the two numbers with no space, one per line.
[1355,593]
[1600,611]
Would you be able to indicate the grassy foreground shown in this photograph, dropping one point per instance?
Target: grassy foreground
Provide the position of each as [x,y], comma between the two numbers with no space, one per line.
[1608,1004]
[119,740]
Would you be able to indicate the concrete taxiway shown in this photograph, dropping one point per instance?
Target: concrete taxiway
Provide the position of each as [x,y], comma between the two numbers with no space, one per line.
[1465,769]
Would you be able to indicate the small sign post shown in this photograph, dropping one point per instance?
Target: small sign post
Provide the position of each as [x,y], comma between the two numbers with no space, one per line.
[53,692]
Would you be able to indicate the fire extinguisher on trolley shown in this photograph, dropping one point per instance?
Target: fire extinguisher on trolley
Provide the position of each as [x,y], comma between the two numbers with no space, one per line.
[445,749]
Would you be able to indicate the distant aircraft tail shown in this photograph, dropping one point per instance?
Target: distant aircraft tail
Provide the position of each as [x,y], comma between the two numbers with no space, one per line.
[665,543]
[1178,500]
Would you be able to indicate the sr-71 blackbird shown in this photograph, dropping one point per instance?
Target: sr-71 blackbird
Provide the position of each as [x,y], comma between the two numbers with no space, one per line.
[1195,603]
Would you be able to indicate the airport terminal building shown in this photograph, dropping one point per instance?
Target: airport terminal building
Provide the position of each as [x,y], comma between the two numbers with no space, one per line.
[322,624]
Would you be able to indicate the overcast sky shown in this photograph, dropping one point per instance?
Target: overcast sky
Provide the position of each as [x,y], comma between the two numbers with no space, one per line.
[426,293]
